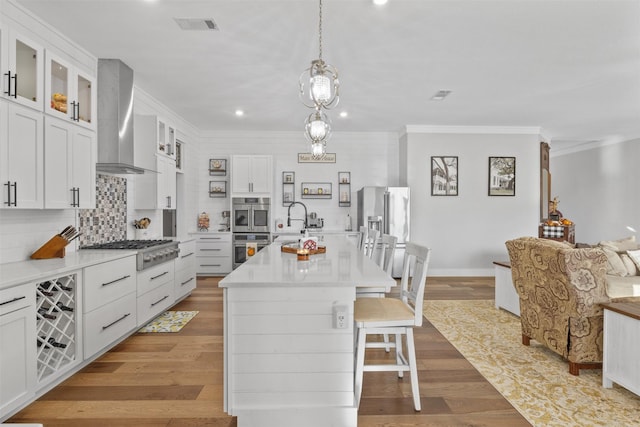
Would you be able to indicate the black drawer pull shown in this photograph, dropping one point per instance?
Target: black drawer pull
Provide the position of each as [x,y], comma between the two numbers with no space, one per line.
[115,321]
[117,280]
[189,254]
[209,265]
[159,275]
[211,238]
[185,282]
[160,300]
[215,250]
[16,299]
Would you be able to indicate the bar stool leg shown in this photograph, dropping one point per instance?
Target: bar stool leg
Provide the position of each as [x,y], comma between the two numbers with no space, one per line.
[413,369]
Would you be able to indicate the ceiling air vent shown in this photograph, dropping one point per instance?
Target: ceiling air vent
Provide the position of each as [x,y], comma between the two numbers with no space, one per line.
[197,24]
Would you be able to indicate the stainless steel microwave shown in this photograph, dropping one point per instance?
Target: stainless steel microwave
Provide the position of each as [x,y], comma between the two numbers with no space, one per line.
[251,215]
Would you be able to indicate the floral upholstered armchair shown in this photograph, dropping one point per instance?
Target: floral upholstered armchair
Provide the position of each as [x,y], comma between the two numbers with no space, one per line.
[560,289]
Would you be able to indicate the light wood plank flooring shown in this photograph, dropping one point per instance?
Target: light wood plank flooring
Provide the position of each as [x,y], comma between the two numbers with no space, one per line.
[175,380]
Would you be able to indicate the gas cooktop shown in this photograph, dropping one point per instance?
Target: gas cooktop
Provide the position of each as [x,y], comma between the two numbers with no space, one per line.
[128,244]
[149,252]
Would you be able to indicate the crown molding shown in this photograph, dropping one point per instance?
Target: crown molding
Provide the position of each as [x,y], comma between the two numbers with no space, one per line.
[505,130]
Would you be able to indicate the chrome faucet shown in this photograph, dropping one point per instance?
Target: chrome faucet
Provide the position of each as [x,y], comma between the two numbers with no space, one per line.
[289,214]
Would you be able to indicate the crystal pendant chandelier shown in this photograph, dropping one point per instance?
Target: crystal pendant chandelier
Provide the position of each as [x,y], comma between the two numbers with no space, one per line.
[319,84]
[317,129]
[319,89]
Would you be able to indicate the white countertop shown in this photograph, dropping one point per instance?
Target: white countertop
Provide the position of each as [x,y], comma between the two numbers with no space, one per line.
[342,265]
[16,273]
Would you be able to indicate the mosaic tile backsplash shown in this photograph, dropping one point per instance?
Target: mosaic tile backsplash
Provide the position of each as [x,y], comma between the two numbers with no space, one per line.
[108,221]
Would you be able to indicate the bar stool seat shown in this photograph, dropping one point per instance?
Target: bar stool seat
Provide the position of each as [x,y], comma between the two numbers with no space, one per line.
[394,316]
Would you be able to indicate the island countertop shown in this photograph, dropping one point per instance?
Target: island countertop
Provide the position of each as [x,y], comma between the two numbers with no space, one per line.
[341,265]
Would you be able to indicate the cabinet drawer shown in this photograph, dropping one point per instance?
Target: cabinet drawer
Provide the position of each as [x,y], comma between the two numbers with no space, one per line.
[213,264]
[185,282]
[108,323]
[223,237]
[186,261]
[155,276]
[155,302]
[17,297]
[106,282]
[213,248]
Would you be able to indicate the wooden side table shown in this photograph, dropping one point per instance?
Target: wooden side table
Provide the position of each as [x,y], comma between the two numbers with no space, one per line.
[621,363]
[559,233]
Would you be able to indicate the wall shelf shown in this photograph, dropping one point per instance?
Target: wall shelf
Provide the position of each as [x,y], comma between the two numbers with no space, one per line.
[344,189]
[218,167]
[316,190]
[217,188]
[288,188]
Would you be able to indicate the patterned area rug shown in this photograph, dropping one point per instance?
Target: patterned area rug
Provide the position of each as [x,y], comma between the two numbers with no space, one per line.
[533,379]
[169,321]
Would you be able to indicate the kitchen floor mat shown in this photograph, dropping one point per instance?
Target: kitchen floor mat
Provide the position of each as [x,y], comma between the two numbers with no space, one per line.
[169,321]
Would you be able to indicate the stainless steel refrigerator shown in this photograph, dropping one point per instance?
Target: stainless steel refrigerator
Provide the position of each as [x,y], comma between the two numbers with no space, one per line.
[387,209]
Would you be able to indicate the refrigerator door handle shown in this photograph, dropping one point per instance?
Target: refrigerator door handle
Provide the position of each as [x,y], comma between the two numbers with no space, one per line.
[385,218]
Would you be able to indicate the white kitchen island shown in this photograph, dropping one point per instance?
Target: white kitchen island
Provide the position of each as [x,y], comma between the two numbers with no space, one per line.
[288,354]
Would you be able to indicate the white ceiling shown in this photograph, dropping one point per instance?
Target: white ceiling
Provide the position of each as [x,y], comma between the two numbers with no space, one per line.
[571,67]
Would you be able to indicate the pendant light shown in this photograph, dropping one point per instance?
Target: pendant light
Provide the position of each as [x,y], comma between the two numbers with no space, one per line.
[319,84]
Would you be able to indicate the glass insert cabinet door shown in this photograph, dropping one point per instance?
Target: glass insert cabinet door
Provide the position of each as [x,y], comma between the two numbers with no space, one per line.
[22,69]
[70,92]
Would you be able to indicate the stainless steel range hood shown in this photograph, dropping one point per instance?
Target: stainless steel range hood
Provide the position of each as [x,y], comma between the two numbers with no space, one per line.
[115,118]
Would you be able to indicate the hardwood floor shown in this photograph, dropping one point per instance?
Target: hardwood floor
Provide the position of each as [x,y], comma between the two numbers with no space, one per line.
[175,379]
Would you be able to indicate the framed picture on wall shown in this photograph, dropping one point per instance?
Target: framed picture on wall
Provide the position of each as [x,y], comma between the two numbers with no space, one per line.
[502,176]
[444,175]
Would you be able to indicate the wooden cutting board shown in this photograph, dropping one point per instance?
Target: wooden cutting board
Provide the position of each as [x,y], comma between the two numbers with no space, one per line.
[293,250]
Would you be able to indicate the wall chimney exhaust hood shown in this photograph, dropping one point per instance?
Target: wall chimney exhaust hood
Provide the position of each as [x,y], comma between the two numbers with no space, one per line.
[115,118]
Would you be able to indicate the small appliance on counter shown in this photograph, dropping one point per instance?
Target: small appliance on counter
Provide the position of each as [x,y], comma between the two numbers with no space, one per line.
[314,222]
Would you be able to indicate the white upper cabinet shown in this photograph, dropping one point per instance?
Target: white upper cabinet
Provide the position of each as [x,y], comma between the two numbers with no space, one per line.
[157,190]
[22,67]
[251,175]
[152,135]
[21,157]
[70,156]
[70,92]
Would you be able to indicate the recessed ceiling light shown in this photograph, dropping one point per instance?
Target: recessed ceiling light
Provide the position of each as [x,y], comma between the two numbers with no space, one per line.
[379,2]
[239,113]
[343,114]
[440,95]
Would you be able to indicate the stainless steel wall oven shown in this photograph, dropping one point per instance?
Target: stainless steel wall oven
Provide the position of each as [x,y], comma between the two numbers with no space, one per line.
[242,250]
[251,215]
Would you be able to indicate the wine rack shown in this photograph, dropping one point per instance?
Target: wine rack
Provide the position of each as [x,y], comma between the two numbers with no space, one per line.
[56,325]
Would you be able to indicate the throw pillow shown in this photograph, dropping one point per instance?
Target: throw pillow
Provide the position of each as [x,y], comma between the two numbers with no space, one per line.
[635,256]
[621,245]
[615,266]
[632,270]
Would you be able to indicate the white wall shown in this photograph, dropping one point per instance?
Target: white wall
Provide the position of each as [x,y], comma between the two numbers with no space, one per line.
[467,232]
[371,158]
[599,189]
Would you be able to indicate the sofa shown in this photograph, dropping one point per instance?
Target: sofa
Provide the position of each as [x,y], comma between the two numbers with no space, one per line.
[560,288]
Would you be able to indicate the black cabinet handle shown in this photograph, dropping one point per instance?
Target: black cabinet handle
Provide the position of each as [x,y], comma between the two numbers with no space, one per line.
[186,281]
[213,250]
[8,91]
[77,196]
[16,299]
[159,275]
[115,321]
[117,280]
[15,86]
[8,202]
[160,300]
[76,112]
[189,254]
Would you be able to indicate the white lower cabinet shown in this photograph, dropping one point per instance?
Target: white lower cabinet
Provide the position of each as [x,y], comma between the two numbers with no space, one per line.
[185,267]
[214,254]
[17,347]
[105,325]
[109,303]
[155,291]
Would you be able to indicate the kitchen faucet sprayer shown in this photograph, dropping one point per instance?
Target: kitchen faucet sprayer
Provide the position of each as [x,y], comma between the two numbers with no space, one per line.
[289,214]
